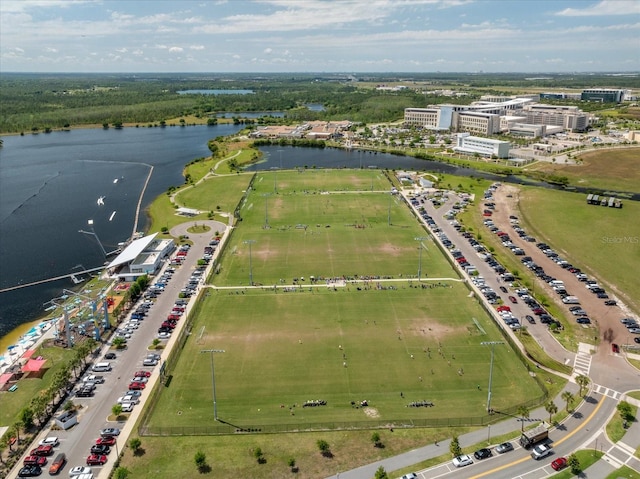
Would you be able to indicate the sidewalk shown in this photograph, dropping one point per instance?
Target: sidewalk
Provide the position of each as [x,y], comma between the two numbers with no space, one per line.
[509,425]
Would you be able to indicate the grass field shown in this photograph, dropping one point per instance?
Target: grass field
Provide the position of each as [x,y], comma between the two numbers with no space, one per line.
[366,341]
[217,193]
[615,169]
[602,241]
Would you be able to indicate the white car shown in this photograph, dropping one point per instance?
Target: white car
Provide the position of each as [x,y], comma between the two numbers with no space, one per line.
[463,460]
[79,470]
[49,441]
[128,399]
[149,362]
[140,379]
[164,335]
[540,451]
[127,406]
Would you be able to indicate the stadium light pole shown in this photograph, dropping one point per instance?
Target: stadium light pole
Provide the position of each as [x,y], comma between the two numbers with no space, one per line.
[492,344]
[389,212]
[213,378]
[266,210]
[250,242]
[420,239]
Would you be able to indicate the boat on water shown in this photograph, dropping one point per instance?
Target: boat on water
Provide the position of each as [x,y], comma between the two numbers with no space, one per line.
[112,215]
[101,200]
[115,181]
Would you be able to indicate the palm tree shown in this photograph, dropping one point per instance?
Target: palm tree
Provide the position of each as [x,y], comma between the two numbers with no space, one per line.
[582,381]
[551,408]
[523,412]
[568,398]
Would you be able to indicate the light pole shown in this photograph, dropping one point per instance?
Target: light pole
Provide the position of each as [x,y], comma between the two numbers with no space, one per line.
[492,344]
[213,379]
[420,239]
[250,242]
[389,212]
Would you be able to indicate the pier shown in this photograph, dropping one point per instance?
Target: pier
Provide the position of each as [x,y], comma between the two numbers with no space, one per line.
[48,280]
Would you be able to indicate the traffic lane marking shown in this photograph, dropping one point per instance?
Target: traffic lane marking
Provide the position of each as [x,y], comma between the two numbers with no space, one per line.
[560,441]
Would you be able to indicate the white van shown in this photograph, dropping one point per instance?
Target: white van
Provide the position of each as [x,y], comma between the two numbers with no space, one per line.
[570,300]
[556,282]
[101,367]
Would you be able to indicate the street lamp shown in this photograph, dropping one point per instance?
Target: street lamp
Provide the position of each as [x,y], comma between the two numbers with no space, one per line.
[266,210]
[213,378]
[492,344]
[250,242]
[420,239]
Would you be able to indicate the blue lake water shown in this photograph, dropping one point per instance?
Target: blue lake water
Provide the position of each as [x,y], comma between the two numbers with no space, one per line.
[49,187]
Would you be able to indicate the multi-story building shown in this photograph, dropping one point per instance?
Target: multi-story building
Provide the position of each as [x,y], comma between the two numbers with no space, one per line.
[604,95]
[486,147]
[477,122]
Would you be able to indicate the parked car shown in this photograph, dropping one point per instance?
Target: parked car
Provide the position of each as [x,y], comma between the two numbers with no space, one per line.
[49,441]
[107,440]
[128,406]
[615,348]
[513,299]
[99,449]
[134,386]
[482,453]
[504,447]
[463,460]
[79,470]
[42,451]
[37,460]
[96,460]
[142,374]
[110,431]
[411,475]
[57,464]
[32,470]
[110,356]
[559,463]
[149,362]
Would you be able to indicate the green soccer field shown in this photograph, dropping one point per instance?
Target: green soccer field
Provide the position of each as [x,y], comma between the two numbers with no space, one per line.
[390,342]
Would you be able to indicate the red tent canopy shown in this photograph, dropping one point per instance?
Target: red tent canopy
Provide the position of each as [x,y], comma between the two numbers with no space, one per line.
[5,378]
[27,354]
[33,365]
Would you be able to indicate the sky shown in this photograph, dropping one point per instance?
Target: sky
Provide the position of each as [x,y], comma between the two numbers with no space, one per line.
[349,36]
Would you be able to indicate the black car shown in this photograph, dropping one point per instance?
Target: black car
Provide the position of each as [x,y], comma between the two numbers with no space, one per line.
[110,356]
[530,319]
[610,302]
[583,321]
[637,340]
[31,470]
[482,453]
[84,393]
[100,449]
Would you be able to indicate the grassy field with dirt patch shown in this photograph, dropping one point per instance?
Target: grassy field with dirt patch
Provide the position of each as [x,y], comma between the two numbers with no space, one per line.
[601,241]
[616,169]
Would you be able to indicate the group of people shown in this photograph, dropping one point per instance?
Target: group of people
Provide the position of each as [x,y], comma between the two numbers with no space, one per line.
[314,403]
[420,404]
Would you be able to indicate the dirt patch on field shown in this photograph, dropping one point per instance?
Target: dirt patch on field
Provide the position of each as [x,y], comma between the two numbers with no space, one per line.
[371,412]
[434,330]
[390,249]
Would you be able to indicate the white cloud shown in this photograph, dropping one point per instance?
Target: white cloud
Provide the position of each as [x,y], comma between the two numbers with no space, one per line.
[604,7]
[121,50]
[176,49]
[196,47]
[268,51]
[51,50]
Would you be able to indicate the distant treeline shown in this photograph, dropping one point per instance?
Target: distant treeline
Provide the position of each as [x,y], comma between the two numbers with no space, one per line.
[33,102]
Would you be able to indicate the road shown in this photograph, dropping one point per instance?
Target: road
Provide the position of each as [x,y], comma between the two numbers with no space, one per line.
[94,412]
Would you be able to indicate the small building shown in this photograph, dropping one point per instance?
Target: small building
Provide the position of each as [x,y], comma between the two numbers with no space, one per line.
[142,256]
[66,420]
[486,147]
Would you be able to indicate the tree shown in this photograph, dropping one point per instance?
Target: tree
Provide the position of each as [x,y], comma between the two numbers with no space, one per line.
[375,439]
[582,381]
[118,342]
[574,464]
[381,474]
[259,455]
[201,461]
[116,410]
[567,397]
[135,443]
[292,464]
[324,447]
[454,446]
[523,412]
[551,408]
[26,417]
[625,410]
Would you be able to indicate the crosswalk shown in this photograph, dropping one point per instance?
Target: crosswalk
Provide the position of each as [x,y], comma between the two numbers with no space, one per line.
[605,391]
[582,363]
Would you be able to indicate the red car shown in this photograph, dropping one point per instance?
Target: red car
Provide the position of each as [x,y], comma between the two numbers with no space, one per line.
[142,374]
[615,348]
[37,460]
[42,451]
[503,308]
[96,460]
[559,463]
[107,441]
[173,317]
[513,299]
[136,386]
